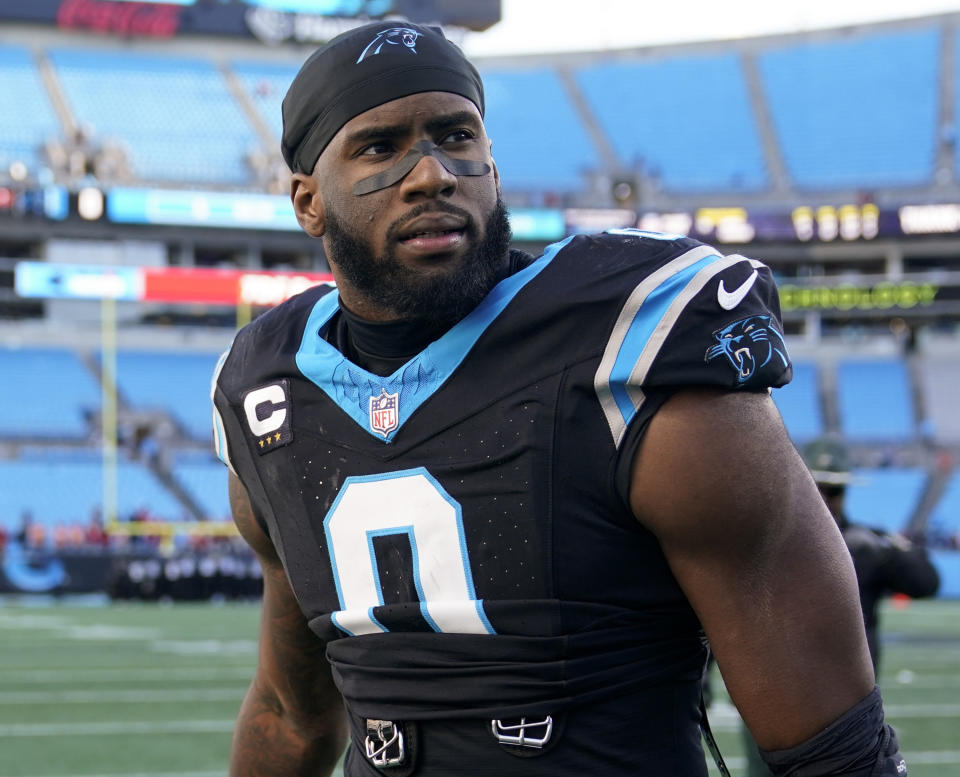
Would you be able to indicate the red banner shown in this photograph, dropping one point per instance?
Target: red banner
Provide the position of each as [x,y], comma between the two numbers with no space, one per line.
[157,20]
[225,287]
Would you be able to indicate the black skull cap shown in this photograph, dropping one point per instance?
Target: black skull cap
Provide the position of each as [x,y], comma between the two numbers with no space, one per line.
[361,69]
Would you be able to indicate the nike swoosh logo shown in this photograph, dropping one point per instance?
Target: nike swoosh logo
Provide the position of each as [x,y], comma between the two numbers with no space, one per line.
[730,299]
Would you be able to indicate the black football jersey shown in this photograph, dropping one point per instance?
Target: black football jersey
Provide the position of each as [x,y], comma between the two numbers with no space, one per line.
[459,531]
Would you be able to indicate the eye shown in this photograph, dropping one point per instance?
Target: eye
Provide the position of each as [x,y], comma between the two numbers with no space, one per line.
[749,328]
[728,335]
[377,148]
[457,136]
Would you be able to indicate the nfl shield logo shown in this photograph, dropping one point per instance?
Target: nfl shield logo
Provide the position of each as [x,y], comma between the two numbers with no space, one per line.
[384,417]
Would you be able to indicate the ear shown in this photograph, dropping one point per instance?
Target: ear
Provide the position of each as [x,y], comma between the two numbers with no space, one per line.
[308,204]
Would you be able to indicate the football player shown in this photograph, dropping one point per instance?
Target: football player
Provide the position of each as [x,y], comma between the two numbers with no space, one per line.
[499,499]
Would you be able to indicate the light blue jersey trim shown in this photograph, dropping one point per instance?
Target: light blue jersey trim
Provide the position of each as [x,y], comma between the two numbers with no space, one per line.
[641,329]
[634,232]
[219,432]
[351,387]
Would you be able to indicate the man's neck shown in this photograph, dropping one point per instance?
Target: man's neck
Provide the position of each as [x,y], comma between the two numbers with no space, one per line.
[383,346]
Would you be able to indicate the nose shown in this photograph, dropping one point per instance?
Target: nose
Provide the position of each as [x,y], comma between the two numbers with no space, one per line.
[428,179]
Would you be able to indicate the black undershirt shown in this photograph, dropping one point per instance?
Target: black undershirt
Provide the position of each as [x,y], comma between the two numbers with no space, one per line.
[382,347]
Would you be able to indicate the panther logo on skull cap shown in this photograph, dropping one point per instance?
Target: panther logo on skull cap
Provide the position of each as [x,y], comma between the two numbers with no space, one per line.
[395,36]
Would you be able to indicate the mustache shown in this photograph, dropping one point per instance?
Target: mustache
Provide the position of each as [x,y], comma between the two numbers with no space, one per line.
[431,207]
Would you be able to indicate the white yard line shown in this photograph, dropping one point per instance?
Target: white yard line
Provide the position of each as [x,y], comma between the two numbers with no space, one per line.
[739,763]
[144,774]
[724,716]
[932,757]
[126,696]
[922,710]
[114,727]
[123,674]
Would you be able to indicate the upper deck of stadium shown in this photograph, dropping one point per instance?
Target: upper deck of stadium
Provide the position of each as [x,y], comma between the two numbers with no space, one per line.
[871,108]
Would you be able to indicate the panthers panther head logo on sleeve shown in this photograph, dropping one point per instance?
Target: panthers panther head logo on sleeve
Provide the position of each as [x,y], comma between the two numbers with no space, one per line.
[395,36]
[749,345]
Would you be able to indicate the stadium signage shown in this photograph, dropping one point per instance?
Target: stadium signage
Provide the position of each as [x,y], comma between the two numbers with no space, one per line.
[107,16]
[929,219]
[726,225]
[189,285]
[828,222]
[244,210]
[248,210]
[823,223]
[882,296]
[587,220]
[237,210]
[270,21]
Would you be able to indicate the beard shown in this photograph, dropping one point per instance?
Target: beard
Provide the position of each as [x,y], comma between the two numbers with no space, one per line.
[440,298]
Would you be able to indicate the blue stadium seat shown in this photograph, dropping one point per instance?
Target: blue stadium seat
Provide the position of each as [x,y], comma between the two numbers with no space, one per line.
[874,400]
[266,83]
[687,119]
[205,479]
[26,116]
[539,141]
[939,377]
[175,115]
[68,491]
[856,112]
[45,393]
[944,520]
[177,383]
[885,498]
[947,563]
[799,403]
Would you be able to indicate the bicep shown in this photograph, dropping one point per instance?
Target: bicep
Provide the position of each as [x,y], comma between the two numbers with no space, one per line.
[751,543]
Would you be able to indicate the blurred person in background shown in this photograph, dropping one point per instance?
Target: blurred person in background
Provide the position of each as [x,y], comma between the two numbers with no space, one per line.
[886,563]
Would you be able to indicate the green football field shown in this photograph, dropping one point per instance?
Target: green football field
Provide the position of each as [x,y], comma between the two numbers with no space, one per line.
[152,690]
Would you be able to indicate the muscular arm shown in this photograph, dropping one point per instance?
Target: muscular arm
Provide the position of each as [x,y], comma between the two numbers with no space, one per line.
[758,555]
[292,720]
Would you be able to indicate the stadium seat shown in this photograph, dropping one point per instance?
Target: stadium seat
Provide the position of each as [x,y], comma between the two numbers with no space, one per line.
[687,120]
[944,520]
[53,393]
[856,111]
[175,115]
[205,479]
[265,84]
[885,498]
[27,119]
[57,490]
[175,383]
[874,399]
[799,403]
[539,141]
[939,378]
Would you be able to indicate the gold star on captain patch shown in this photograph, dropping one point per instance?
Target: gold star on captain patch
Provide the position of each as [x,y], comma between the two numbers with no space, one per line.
[261,443]
[276,437]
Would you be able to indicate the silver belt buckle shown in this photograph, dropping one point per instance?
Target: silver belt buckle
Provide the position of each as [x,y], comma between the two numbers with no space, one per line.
[384,743]
[526,733]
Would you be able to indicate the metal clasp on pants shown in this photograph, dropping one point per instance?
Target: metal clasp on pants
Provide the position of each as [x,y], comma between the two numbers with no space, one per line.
[526,733]
[384,743]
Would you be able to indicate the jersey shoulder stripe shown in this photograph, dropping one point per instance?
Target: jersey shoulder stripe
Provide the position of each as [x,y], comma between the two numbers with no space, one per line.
[646,320]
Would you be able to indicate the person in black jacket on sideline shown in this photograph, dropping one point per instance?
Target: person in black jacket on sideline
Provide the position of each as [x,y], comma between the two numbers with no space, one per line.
[885,563]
